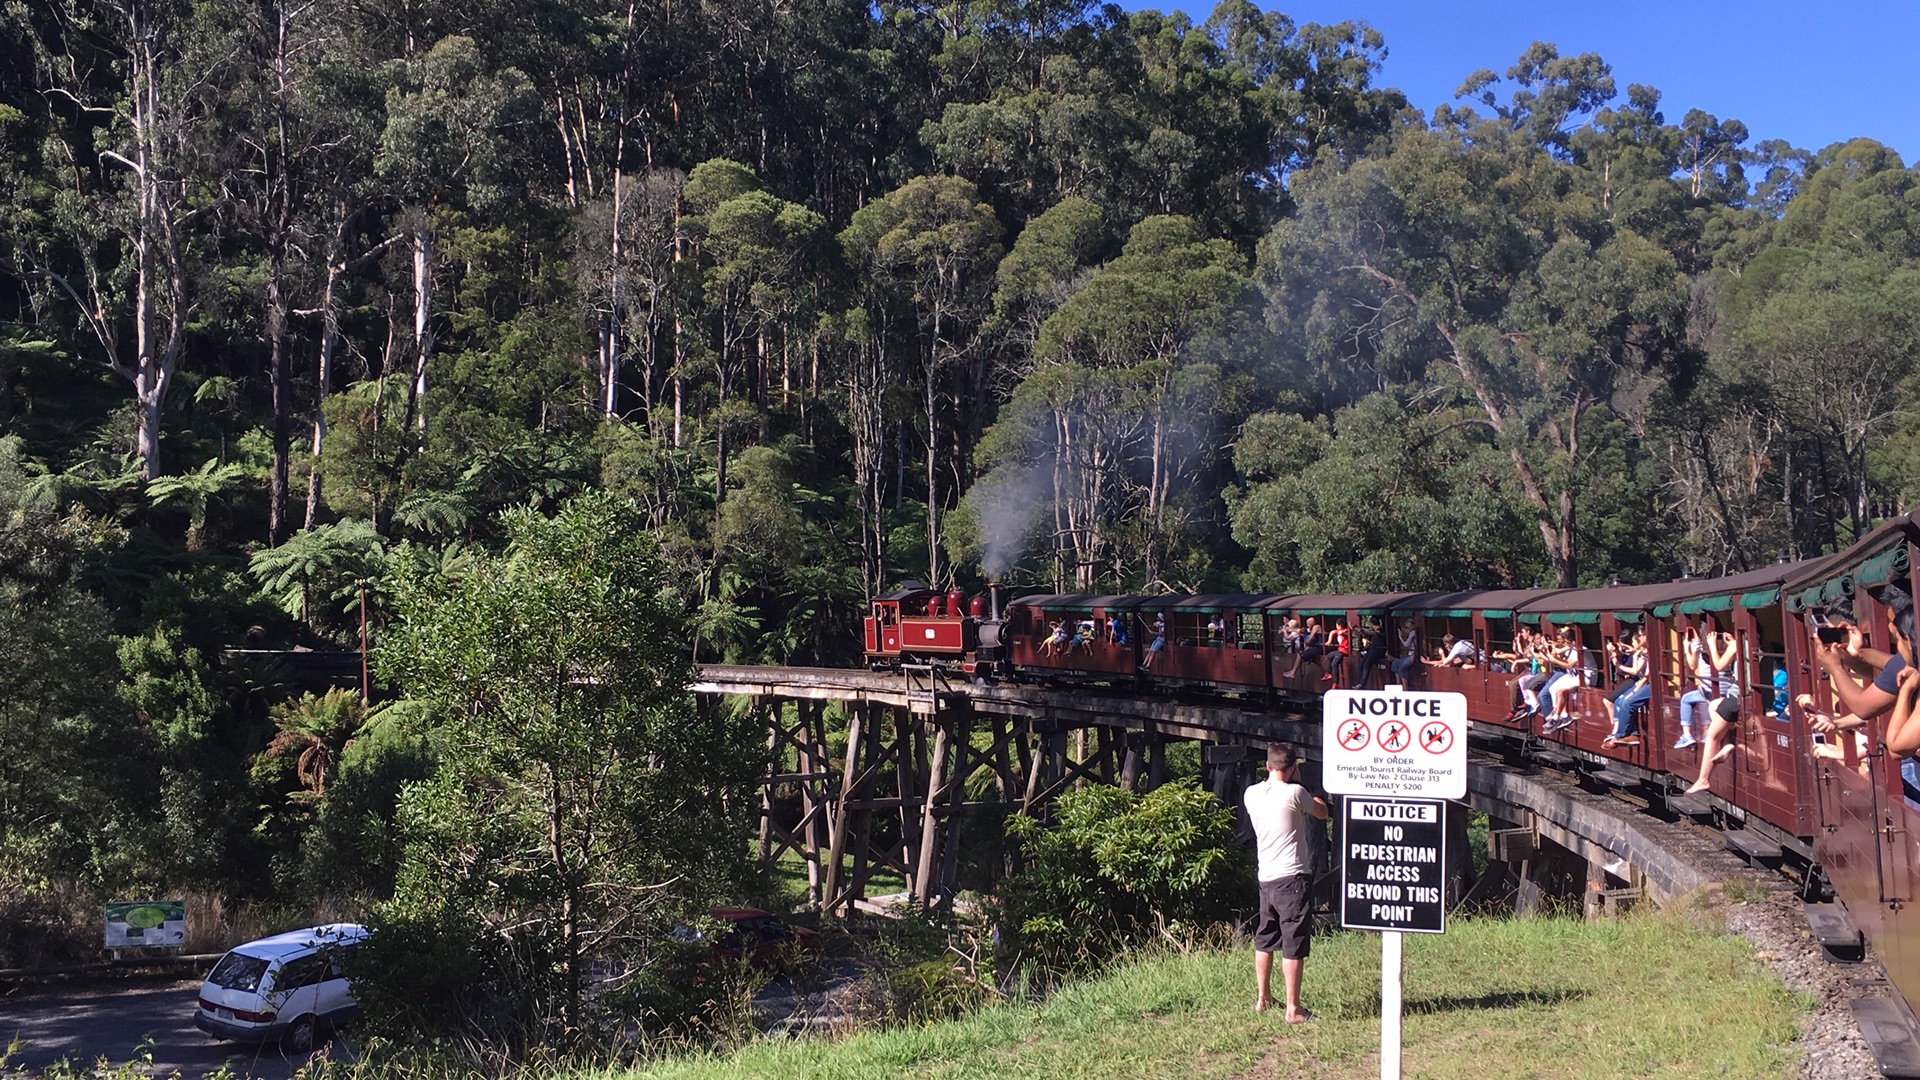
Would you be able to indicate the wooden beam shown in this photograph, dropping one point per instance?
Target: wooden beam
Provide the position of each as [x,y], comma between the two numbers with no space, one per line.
[837,834]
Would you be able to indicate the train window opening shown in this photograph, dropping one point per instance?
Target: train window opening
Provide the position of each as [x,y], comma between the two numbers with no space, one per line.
[1249,630]
[1498,646]
[1593,669]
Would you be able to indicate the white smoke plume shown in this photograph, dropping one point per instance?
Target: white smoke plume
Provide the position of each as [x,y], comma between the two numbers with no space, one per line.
[1009,503]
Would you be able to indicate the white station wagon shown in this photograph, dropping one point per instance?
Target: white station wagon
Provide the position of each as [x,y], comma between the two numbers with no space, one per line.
[289,988]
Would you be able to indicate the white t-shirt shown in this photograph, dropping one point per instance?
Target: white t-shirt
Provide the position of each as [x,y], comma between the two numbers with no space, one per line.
[1279,814]
[1461,653]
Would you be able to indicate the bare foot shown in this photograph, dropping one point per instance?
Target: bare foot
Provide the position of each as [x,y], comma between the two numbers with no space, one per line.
[1261,1005]
[1698,788]
[1725,752]
[1301,1015]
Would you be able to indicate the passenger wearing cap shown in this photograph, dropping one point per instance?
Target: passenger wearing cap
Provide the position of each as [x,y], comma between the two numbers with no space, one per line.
[1726,713]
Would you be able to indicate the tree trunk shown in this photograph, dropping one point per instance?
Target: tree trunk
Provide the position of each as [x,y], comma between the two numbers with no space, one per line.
[616,304]
[933,448]
[282,393]
[423,335]
[329,333]
[280,216]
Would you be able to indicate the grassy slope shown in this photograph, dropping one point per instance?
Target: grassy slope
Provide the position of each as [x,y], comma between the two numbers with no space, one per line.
[1644,996]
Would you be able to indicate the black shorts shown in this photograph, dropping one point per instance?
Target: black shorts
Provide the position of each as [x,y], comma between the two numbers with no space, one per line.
[1286,917]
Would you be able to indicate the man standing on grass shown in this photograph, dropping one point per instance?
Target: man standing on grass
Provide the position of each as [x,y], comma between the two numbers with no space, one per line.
[1278,807]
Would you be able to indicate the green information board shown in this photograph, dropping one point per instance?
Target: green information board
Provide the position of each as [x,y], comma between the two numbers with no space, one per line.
[147,924]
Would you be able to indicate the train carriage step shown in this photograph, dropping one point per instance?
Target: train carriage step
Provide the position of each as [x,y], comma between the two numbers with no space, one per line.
[1838,937]
[1617,778]
[1753,846]
[1891,1031]
[1554,757]
[1693,806]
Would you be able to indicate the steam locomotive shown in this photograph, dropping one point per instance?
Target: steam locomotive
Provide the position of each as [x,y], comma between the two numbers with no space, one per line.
[1839,813]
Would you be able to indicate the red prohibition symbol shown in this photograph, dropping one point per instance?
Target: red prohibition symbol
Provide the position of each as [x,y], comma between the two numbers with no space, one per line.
[1394,736]
[1354,734]
[1435,738]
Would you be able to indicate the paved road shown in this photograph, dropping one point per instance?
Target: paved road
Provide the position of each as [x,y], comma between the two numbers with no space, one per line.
[86,1025]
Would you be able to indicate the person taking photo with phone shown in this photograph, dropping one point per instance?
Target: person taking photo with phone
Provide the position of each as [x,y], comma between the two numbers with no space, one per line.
[1278,807]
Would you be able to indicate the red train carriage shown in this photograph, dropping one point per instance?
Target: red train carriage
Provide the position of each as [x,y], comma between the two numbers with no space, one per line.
[1089,637]
[1865,822]
[1218,641]
[1765,775]
[1364,616]
[1485,618]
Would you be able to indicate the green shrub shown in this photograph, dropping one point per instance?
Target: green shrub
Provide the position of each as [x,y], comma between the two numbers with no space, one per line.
[1118,868]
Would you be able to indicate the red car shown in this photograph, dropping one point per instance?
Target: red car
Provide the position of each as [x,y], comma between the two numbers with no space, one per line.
[754,937]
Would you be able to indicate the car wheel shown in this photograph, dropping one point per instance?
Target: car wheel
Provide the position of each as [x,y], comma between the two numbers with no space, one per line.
[300,1036]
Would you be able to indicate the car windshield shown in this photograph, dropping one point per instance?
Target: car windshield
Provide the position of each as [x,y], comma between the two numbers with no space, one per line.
[238,971]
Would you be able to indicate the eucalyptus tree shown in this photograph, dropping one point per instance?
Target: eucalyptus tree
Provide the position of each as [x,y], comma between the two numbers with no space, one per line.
[1379,497]
[1818,330]
[627,248]
[1168,313]
[130,85]
[931,246]
[1467,255]
[759,256]
[444,148]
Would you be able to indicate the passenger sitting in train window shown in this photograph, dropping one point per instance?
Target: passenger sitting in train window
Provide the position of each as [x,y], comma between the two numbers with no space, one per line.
[1454,653]
[1214,629]
[1116,629]
[1711,653]
[1158,643]
[1083,632]
[1290,634]
[1564,667]
[1056,639]
[1337,651]
[1777,707]
[1634,691]
[1844,660]
[1374,651]
[1527,661]
[1408,661]
[1719,745]
[1313,646]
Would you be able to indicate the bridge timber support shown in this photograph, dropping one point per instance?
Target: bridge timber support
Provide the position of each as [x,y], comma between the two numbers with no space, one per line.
[897,783]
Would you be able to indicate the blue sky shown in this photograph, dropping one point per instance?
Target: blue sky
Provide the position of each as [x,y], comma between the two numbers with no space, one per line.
[1811,73]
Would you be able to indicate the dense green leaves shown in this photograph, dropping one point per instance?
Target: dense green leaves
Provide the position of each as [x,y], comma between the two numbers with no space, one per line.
[1116,868]
[582,802]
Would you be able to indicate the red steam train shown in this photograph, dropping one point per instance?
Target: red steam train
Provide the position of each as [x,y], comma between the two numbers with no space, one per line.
[1845,816]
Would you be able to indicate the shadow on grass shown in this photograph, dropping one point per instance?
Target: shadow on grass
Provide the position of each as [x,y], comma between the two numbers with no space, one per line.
[1513,999]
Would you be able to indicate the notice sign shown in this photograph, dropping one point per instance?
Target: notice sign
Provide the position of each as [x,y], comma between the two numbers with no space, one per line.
[1394,858]
[1399,743]
[146,924]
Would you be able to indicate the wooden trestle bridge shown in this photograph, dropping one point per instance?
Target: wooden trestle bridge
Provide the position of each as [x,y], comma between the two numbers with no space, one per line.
[875,773]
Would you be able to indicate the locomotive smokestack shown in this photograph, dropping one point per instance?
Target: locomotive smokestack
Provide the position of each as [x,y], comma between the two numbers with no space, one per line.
[993,598]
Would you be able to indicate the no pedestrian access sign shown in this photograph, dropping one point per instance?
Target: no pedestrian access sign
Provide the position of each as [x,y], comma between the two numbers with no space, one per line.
[1395,743]
[1393,857]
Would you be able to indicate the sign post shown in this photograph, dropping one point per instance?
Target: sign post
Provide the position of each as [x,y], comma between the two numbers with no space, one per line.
[1395,754]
